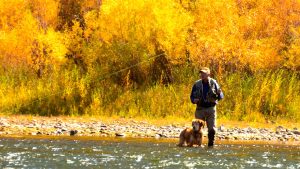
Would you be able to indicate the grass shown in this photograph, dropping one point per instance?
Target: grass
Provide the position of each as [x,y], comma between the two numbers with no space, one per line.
[266,95]
[257,98]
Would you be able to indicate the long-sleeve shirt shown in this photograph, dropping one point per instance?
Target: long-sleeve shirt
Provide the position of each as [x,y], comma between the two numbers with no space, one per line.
[200,91]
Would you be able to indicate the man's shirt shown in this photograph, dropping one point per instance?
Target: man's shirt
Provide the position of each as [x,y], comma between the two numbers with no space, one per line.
[200,91]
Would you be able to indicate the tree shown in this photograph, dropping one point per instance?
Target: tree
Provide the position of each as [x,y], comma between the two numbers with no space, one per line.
[27,42]
[149,25]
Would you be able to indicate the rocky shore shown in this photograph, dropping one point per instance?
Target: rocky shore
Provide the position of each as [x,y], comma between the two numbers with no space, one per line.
[130,128]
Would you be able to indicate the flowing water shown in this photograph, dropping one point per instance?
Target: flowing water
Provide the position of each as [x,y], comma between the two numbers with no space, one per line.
[141,153]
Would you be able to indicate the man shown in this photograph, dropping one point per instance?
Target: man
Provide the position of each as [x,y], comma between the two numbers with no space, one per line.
[205,93]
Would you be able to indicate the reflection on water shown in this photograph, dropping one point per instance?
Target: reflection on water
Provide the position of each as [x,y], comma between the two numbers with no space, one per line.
[66,153]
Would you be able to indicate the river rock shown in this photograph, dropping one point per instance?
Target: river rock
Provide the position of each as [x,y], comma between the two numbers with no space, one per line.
[228,137]
[31,126]
[157,136]
[58,132]
[263,130]
[120,134]
[73,132]
[280,129]
[64,129]
[296,132]
[4,122]
[222,128]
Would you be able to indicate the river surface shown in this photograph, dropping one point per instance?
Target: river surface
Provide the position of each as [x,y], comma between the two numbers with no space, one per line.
[141,153]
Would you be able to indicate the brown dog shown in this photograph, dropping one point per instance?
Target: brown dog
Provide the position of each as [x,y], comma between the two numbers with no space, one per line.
[192,136]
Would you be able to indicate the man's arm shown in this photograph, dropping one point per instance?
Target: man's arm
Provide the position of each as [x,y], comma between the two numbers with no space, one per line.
[219,92]
[193,98]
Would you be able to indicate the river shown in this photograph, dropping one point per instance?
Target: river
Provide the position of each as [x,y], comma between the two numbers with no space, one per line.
[76,152]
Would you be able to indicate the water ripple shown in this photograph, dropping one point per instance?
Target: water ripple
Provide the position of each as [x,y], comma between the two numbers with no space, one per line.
[30,153]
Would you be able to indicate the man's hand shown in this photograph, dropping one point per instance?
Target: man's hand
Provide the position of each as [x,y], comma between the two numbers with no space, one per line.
[195,101]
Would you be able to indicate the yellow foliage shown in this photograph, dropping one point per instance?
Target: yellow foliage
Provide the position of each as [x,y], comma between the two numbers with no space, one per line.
[45,11]
[102,37]
[74,40]
[161,24]
[250,34]
[293,54]
[11,12]
[54,42]
[15,42]
[243,34]
[21,35]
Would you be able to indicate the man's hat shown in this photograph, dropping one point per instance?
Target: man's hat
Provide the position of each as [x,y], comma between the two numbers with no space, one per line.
[205,70]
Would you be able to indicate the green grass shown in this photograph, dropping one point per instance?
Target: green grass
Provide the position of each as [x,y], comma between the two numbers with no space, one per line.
[253,98]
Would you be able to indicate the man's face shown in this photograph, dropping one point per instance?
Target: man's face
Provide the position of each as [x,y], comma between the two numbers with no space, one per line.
[204,76]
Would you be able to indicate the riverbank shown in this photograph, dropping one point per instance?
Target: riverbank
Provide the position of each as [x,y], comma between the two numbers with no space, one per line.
[18,126]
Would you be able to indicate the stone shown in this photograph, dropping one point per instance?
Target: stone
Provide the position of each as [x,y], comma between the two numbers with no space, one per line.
[73,132]
[120,134]
[285,136]
[280,129]
[222,128]
[228,137]
[296,132]
[57,127]
[221,137]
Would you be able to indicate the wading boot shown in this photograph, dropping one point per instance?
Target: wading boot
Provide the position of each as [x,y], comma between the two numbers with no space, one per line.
[211,138]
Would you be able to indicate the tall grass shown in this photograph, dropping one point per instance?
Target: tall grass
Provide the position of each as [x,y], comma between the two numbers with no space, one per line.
[266,95]
[260,96]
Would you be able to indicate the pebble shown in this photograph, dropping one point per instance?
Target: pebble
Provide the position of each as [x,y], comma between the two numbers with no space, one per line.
[120,134]
[137,129]
[222,128]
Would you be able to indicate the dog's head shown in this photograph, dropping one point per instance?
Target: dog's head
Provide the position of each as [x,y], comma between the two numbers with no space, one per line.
[197,124]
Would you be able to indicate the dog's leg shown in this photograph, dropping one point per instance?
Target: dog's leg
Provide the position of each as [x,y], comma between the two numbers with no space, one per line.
[197,141]
[200,139]
[190,141]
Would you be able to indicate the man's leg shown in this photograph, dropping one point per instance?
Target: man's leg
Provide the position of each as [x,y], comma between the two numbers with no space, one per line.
[211,125]
[199,114]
